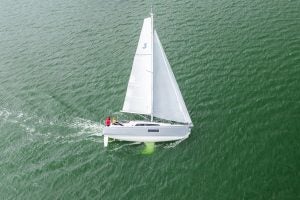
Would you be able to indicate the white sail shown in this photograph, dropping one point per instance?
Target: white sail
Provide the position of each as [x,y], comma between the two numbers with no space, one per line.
[139,90]
[152,88]
[167,99]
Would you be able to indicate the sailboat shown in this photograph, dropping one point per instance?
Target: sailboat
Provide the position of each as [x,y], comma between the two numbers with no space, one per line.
[153,91]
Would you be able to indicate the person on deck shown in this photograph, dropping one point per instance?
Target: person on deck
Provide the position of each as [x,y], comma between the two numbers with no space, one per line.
[107,121]
[113,121]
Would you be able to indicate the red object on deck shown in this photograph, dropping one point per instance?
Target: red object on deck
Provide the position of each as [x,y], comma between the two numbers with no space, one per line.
[107,121]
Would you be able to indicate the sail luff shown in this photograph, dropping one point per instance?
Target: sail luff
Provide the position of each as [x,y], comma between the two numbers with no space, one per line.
[152,48]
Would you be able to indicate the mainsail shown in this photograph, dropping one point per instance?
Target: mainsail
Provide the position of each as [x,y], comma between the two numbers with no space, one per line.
[152,88]
[139,90]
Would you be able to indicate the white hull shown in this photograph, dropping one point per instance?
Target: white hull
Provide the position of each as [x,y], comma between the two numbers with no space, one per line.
[159,133]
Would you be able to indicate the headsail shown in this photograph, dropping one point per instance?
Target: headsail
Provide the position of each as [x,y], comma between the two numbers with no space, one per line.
[167,99]
[139,96]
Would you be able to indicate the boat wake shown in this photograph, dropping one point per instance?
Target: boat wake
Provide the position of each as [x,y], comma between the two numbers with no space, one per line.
[173,144]
[125,145]
[87,127]
[66,131]
[36,127]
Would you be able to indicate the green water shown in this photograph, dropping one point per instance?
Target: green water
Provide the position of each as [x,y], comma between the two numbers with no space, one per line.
[65,64]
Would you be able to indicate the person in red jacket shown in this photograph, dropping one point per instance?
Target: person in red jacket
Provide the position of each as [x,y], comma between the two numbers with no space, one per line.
[107,121]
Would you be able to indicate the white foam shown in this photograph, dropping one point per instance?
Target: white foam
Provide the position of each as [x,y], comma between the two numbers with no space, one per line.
[173,144]
[124,145]
[33,126]
[87,127]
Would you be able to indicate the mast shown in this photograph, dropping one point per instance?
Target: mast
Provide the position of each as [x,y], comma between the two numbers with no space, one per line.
[152,82]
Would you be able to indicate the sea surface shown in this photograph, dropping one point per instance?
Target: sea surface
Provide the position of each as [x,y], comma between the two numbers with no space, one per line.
[64,67]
